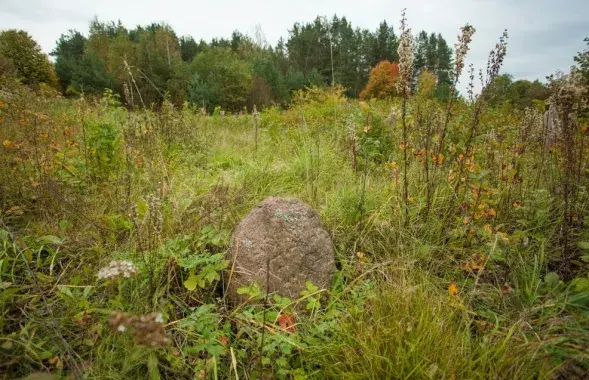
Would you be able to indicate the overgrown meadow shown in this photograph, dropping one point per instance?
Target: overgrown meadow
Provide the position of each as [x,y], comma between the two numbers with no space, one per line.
[461,233]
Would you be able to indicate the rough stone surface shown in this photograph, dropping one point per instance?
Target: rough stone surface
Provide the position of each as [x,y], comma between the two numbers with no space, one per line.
[288,236]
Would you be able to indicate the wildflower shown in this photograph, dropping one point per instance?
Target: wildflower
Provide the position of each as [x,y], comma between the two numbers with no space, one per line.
[116,269]
[453,289]
[405,51]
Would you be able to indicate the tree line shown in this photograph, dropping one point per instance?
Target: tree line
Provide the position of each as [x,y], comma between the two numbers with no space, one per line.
[150,63]
[153,62]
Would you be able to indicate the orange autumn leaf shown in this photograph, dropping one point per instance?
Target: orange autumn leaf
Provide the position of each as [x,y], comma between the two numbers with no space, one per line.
[8,144]
[286,322]
[439,159]
[223,340]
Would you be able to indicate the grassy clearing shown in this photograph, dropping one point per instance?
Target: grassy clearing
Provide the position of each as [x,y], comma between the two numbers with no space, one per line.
[478,286]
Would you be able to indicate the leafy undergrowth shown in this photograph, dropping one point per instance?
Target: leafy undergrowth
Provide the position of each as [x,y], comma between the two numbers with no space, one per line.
[115,226]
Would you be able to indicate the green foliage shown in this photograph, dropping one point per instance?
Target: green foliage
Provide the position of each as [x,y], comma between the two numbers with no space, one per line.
[103,143]
[220,79]
[520,94]
[24,53]
[69,54]
[188,48]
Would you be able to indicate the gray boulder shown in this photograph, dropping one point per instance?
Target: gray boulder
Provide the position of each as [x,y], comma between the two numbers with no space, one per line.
[288,236]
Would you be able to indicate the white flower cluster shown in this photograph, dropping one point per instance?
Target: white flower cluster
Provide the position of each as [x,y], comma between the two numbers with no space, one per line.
[118,268]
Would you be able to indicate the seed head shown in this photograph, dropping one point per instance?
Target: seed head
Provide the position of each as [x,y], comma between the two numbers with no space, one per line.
[461,49]
[147,330]
[405,51]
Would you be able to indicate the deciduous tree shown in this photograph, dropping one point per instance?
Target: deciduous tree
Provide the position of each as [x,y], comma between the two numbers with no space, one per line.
[381,83]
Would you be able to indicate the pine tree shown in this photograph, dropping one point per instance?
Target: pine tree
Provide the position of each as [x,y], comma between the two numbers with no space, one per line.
[68,54]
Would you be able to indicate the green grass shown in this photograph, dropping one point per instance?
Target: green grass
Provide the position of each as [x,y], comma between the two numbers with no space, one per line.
[389,313]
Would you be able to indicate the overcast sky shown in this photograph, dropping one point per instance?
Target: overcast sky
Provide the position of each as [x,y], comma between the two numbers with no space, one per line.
[543,35]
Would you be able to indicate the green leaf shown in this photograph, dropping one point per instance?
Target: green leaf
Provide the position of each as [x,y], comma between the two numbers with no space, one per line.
[310,287]
[286,348]
[580,284]
[142,208]
[252,290]
[551,279]
[185,203]
[190,284]
[583,244]
[49,239]
[64,225]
